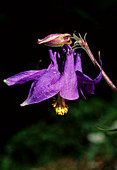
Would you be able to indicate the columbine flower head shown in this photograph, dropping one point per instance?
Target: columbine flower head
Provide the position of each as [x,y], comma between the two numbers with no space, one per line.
[63,77]
[56,40]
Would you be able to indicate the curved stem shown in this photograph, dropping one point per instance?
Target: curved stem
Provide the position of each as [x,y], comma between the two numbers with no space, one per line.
[110,83]
[106,130]
[85,46]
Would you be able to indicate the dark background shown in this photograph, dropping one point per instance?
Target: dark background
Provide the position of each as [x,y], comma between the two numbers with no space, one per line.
[21,24]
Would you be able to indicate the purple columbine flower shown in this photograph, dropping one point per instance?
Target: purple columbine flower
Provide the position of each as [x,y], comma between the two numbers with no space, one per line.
[63,77]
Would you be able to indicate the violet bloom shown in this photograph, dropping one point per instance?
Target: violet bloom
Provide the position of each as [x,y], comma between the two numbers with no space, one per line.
[63,77]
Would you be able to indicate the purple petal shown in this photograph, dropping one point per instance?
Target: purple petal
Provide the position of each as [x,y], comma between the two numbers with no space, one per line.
[86,84]
[23,77]
[78,64]
[53,58]
[43,88]
[69,90]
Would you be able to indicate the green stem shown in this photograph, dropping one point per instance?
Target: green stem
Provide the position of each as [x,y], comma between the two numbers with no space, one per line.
[106,130]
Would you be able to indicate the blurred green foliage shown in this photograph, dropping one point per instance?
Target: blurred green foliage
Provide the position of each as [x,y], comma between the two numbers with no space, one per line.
[73,136]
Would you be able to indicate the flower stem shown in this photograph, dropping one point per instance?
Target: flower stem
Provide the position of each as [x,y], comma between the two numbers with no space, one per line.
[99,67]
[80,41]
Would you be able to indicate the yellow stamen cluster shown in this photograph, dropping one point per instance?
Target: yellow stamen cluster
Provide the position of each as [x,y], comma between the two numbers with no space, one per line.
[60,107]
[61,110]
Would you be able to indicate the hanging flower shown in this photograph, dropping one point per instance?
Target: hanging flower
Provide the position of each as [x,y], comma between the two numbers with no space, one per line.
[56,40]
[63,78]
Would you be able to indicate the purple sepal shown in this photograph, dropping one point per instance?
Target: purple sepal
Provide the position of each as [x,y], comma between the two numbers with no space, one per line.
[23,77]
[86,84]
[69,90]
[43,87]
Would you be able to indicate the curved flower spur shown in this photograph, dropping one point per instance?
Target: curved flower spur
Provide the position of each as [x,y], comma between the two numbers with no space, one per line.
[63,77]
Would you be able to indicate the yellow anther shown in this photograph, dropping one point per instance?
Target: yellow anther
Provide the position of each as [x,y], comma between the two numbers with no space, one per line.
[61,110]
[60,107]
